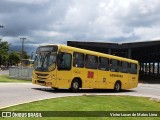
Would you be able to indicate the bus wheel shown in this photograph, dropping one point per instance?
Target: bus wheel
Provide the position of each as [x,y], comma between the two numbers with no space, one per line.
[55,88]
[117,86]
[75,85]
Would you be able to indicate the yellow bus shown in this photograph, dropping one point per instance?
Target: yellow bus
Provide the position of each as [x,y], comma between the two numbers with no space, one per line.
[60,66]
[27,63]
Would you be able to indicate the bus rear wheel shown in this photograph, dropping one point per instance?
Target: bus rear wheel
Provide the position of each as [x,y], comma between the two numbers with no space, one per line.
[75,85]
[117,86]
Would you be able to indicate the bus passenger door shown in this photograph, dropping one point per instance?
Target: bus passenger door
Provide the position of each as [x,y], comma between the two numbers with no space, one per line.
[64,66]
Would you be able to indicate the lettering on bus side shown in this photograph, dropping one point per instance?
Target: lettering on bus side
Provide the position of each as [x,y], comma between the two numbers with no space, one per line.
[133,77]
[90,74]
[115,75]
[77,72]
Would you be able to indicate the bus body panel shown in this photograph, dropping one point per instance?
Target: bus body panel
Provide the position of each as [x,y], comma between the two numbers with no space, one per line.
[63,79]
[133,81]
[91,78]
[105,80]
[125,81]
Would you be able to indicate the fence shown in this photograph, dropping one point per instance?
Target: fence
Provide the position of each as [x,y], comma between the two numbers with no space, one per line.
[21,73]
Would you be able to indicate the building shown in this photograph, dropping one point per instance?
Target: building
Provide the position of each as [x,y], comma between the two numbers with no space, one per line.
[147,53]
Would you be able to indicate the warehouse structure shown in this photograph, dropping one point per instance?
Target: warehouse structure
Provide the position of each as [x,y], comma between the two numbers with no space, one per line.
[147,53]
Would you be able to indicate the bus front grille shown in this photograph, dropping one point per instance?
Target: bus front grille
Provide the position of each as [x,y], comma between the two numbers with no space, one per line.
[43,75]
[42,82]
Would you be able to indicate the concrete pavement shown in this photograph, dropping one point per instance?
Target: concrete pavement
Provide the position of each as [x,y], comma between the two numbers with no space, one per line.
[4,72]
[18,93]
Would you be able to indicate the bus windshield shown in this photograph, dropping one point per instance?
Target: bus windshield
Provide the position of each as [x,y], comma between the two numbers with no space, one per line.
[45,61]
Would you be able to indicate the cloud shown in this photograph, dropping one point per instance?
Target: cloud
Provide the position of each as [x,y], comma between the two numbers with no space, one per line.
[148,33]
[56,21]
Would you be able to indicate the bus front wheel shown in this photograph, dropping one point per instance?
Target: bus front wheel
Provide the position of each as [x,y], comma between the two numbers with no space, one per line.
[75,85]
[117,86]
[56,89]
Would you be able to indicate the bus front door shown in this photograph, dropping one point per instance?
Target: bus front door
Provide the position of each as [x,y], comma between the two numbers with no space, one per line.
[64,70]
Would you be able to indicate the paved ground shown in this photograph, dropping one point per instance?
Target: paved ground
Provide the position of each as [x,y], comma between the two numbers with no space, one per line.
[4,72]
[16,93]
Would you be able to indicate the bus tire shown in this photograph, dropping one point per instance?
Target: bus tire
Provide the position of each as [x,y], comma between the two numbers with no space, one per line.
[75,85]
[117,86]
[55,88]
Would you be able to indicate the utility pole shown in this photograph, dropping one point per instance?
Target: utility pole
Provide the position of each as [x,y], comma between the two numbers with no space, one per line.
[22,48]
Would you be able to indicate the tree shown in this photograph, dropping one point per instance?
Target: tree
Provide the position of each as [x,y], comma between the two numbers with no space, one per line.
[4,47]
[24,55]
[14,58]
[10,58]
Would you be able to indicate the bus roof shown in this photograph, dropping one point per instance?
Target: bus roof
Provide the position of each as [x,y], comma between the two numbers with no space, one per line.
[93,53]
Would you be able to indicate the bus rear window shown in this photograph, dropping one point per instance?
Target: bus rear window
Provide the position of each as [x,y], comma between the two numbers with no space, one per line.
[133,68]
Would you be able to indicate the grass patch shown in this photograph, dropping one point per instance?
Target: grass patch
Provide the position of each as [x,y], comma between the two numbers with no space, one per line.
[6,78]
[91,103]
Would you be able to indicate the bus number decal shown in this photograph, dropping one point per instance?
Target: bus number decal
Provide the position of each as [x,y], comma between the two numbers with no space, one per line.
[90,74]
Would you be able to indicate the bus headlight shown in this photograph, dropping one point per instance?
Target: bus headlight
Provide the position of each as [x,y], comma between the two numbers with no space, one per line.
[50,78]
[34,76]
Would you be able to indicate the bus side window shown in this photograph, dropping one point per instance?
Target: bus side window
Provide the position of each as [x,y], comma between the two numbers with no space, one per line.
[78,59]
[103,64]
[133,68]
[114,65]
[91,61]
[124,67]
[64,61]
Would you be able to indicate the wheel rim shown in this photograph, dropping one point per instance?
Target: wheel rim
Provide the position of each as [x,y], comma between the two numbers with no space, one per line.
[117,87]
[75,85]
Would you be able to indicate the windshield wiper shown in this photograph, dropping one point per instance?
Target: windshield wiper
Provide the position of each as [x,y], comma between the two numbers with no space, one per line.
[42,66]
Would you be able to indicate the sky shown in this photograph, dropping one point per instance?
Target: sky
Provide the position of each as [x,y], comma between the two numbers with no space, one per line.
[58,21]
